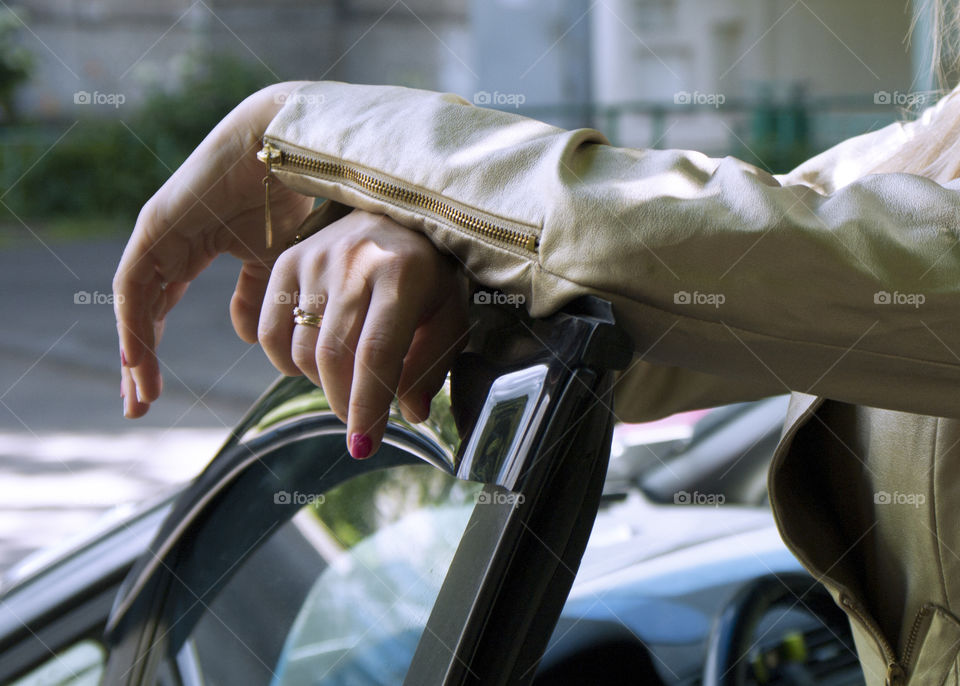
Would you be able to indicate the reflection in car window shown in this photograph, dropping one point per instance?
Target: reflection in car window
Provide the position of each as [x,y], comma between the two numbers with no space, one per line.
[79,665]
[341,593]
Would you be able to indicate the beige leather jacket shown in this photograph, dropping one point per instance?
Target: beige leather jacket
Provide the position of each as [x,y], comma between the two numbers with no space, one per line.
[733,284]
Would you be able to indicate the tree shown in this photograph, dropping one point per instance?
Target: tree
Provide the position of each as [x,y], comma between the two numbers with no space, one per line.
[15,62]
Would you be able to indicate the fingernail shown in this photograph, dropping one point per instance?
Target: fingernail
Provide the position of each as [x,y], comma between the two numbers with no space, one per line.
[123,357]
[139,399]
[360,446]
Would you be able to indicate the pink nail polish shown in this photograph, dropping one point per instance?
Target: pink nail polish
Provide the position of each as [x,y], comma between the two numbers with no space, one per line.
[360,446]
[123,358]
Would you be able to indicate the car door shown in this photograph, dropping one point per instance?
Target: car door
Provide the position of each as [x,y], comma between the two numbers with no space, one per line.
[53,609]
[444,559]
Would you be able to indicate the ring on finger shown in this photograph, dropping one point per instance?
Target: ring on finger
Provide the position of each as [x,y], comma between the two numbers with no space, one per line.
[301,316]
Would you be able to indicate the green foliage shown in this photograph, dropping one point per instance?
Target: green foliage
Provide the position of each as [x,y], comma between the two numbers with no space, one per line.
[363,505]
[93,170]
[314,400]
[174,123]
[15,61]
[779,135]
[107,167]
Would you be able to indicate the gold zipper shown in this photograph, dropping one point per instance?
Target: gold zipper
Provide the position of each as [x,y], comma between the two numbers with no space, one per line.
[896,676]
[313,165]
[269,155]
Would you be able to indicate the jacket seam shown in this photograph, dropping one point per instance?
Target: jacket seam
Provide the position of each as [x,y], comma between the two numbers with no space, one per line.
[950,618]
[956,669]
[951,674]
[933,512]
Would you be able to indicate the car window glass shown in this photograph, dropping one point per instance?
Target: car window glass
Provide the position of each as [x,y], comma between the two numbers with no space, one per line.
[79,665]
[340,593]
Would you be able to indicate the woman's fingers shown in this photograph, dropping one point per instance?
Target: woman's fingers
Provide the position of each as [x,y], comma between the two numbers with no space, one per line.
[135,328]
[275,328]
[247,301]
[384,341]
[212,204]
[135,288]
[142,297]
[393,317]
[306,330]
[335,352]
[132,408]
[436,343]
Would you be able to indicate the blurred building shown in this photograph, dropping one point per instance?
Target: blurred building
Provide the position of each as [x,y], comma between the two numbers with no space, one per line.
[720,61]
[126,46]
[531,54]
[715,75]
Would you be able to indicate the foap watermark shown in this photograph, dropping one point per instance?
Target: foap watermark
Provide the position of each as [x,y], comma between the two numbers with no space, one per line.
[498,298]
[98,98]
[298,498]
[299,98]
[909,99]
[915,300]
[698,498]
[497,98]
[698,98]
[698,298]
[305,300]
[499,498]
[898,498]
[97,298]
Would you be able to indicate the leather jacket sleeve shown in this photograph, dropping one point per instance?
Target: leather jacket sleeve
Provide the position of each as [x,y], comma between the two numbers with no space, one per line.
[732,283]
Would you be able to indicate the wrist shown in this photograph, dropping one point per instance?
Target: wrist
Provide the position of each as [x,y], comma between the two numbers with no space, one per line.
[259,108]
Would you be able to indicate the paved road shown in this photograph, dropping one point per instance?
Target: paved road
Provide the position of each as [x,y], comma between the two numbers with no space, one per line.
[67,456]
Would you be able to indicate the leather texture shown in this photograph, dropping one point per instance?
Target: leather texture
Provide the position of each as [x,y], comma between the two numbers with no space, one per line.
[799,260]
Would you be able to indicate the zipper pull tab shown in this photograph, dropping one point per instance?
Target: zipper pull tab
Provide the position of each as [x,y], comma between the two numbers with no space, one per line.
[895,675]
[268,155]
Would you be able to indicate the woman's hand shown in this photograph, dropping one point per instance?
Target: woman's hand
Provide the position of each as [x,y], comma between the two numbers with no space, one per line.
[214,203]
[394,315]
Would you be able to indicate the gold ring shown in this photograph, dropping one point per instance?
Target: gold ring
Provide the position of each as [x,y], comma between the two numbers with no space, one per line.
[301,316]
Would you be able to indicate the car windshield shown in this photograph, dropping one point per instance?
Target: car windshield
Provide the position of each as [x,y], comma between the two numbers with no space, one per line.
[703,457]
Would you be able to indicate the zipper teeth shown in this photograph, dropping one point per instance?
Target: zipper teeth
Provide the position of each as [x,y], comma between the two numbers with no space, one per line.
[914,632]
[885,646]
[895,672]
[368,182]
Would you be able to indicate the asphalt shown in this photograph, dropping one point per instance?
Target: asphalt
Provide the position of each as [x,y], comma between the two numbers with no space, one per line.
[67,455]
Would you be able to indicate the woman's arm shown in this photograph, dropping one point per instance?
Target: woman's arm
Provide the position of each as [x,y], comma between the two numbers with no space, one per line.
[648,391]
[711,264]
[642,228]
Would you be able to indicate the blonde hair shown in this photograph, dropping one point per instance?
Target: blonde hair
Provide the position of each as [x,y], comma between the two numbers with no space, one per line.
[935,152]
[946,39]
